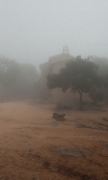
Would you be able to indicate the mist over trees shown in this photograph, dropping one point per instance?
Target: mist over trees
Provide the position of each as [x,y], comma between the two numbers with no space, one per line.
[17,81]
[102,63]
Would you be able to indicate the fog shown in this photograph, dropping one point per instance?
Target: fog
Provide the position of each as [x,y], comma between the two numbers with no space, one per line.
[33,30]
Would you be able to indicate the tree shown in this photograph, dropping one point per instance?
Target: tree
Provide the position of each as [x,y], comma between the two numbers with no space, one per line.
[102,62]
[80,76]
[9,75]
[106,81]
[16,80]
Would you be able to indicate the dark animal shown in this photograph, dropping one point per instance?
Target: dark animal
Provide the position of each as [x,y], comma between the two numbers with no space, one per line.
[58,116]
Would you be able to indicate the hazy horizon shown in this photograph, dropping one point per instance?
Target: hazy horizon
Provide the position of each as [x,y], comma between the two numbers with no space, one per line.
[33,30]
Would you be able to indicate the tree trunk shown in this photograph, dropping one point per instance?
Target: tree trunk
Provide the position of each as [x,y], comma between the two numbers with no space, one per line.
[80,103]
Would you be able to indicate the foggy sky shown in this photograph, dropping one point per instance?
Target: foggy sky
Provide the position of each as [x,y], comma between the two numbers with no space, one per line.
[33,30]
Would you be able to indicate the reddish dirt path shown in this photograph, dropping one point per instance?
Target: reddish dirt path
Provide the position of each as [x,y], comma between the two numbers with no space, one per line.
[29,138]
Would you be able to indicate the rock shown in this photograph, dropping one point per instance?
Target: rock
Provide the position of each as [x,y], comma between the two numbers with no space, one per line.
[105,143]
[78,153]
[69,152]
[105,119]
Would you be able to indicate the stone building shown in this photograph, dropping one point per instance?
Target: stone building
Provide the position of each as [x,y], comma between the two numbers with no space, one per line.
[54,64]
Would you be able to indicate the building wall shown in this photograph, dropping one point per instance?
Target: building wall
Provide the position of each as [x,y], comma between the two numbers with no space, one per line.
[60,58]
[59,65]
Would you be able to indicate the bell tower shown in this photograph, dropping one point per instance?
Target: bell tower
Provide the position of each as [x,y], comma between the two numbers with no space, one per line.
[65,50]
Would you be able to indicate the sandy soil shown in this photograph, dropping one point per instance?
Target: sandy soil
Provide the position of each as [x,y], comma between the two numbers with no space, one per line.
[32,143]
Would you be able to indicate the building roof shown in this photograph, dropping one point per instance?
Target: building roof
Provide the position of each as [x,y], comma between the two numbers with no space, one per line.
[60,57]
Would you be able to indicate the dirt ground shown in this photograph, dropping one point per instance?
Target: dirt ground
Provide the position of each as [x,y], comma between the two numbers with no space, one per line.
[34,146]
